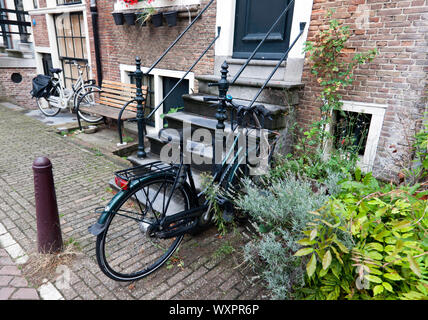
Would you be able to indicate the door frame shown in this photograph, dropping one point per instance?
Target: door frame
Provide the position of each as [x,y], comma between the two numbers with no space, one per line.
[242,48]
[226,11]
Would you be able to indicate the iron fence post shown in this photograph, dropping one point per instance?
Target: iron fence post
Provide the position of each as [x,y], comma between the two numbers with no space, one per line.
[223,88]
[141,120]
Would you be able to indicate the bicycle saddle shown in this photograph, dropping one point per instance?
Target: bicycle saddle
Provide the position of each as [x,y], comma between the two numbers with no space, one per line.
[55,70]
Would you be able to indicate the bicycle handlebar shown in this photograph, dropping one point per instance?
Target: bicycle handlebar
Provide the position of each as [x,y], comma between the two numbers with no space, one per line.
[259,109]
[77,64]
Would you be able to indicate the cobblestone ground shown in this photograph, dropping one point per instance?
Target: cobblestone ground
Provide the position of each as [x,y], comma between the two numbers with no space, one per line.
[204,269]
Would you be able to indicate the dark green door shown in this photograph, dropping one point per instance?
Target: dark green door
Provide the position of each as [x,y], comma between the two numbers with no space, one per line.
[253,19]
[175,101]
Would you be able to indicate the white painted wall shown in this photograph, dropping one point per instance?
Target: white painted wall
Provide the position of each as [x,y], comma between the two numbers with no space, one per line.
[226,20]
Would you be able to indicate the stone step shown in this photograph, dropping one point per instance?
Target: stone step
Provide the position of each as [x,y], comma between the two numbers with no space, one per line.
[176,120]
[256,69]
[195,104]
[203,152]
[277,92]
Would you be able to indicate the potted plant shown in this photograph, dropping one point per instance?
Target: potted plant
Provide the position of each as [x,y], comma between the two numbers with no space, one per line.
[157,19]
[130,18]
[118,18]
[171,18]
[144,16]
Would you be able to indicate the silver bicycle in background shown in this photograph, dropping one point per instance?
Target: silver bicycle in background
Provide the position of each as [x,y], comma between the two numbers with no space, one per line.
[59,97]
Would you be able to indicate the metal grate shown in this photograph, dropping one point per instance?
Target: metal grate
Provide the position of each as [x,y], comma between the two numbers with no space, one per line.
[146,170]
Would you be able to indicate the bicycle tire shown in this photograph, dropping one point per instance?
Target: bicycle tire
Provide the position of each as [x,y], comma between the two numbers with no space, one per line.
[44,104]
[122,265]
[79,94]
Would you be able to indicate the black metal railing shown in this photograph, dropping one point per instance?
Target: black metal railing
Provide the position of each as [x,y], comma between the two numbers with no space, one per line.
[19,21]
[138,75]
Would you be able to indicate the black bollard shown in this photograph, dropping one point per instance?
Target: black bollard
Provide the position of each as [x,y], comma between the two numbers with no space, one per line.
[48,227]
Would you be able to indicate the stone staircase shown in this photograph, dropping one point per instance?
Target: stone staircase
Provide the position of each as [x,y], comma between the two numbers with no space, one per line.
[280,97]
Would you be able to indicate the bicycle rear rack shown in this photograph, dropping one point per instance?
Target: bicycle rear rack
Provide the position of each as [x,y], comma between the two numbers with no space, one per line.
[146,170]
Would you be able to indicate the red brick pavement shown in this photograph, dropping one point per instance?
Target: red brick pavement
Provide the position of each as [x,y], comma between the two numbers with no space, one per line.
[13,286]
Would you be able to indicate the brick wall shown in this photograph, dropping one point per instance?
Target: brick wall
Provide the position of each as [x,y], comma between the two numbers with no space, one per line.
[40,31]
[18,93]
[396,78]
[121,44]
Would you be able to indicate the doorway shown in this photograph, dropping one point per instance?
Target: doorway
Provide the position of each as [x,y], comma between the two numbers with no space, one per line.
[253,19]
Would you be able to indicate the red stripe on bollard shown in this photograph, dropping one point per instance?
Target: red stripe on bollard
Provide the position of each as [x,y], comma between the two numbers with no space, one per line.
[48,227]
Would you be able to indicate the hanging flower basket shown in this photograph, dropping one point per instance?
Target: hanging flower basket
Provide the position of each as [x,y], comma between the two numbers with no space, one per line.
[171,18]
[118,18]
[130,18]
[157,19]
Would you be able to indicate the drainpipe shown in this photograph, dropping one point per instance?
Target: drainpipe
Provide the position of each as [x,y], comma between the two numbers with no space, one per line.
[94,15]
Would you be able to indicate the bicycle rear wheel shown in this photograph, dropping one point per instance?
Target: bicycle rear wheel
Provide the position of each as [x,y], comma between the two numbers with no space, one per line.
[129,249]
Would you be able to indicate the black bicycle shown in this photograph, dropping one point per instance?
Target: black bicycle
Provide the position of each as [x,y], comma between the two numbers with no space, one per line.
[145,222]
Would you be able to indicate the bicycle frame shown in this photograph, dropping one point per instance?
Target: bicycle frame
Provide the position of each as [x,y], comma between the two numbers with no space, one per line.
[65,94]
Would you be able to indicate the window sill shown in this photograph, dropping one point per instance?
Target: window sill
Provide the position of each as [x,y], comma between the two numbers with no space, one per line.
[160,6]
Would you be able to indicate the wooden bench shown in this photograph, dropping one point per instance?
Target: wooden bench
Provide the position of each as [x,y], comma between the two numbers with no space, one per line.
[111,100]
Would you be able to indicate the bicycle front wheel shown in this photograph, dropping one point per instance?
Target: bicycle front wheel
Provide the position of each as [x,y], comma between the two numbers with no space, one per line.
[87,97]
[128,249]
[47,105]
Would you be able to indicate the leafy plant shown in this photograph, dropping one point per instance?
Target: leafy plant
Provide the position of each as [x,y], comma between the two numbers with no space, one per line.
[387,228]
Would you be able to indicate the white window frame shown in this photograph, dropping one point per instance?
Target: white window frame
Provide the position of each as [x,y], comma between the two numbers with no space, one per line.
[377,111]
[158,75]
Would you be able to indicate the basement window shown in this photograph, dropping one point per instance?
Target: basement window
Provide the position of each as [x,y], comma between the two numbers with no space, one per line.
[148,80]
[359,125]
[351,130]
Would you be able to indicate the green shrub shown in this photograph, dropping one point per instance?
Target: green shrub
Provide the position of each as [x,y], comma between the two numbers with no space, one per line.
[387,229]
[280,211]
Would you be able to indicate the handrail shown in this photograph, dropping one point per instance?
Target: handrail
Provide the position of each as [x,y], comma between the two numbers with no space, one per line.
[302,29]
[179,37]
[185,75]
[261,43]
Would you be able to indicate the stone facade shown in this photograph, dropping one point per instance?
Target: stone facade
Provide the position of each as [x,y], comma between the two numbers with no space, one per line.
[395,81]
